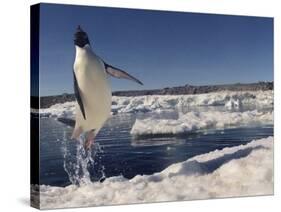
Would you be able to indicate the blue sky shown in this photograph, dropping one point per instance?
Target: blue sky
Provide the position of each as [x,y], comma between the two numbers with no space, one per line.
[160,48]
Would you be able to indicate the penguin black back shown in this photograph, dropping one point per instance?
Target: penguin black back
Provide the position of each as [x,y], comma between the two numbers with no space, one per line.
[80,37]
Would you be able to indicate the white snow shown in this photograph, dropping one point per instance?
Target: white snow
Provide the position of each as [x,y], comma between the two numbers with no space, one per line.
[243,170]
[194,121]
[158,103]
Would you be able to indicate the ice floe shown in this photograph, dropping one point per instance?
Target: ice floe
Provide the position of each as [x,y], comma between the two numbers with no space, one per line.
[195,121]
[64,110]
[243,170]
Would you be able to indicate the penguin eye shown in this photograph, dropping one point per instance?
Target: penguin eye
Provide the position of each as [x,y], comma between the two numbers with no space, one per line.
[81,39]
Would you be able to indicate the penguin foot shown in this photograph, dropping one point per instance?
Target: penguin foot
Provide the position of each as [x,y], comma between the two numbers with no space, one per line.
[90,140]
[88,144]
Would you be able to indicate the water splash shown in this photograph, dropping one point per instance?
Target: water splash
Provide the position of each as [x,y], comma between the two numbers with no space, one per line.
[78,161]
[103,176]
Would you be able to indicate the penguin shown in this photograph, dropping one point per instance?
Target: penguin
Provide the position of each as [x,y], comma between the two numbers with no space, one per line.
[92,88]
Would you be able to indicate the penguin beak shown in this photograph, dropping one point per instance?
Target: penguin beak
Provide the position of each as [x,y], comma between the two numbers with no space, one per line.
[79,29]
[80,37]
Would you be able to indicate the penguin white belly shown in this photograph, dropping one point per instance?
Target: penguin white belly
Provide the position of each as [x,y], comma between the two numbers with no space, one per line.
[95,92]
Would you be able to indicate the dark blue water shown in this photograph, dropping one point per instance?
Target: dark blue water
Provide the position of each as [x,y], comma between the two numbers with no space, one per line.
[118,153]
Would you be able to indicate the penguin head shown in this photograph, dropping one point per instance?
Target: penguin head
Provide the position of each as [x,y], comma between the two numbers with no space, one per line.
[81,37]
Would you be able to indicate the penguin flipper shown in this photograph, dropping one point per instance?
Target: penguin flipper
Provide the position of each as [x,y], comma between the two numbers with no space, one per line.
[118,73]
[78,96]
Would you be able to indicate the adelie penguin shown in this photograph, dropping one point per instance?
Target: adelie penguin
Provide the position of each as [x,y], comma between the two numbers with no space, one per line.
[92,88]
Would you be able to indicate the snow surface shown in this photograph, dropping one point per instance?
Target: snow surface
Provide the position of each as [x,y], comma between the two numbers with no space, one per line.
[195,121]
[158,103]
[243,170]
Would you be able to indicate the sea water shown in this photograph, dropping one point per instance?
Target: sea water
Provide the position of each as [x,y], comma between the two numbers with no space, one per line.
[117,153]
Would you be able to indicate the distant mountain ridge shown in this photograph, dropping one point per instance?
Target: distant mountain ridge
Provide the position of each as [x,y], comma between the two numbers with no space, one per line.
[47,101]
